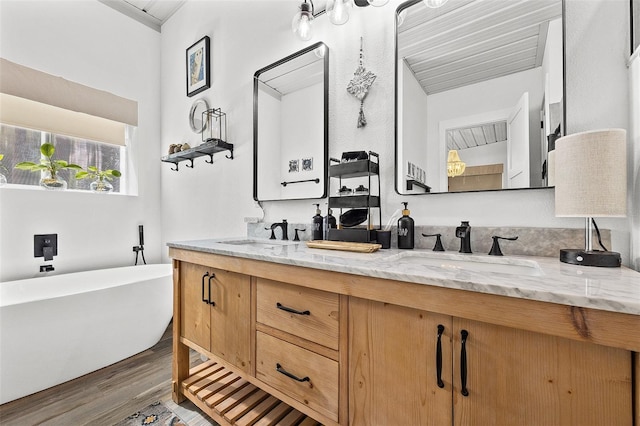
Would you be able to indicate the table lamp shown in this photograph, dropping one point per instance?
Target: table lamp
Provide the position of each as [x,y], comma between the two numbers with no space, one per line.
[591,181]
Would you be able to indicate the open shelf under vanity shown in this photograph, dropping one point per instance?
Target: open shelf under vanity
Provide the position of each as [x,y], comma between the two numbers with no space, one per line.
[231,400]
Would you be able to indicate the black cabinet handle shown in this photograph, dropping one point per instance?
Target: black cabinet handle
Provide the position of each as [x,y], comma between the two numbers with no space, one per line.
[209,301]
[203,277]
[439,356]
[281,370]
[463,363]
[293,311]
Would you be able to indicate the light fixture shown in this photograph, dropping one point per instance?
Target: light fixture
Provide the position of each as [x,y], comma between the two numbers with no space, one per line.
[434,3]
[301,24]
[377,3]
[455,166]
[591,181]
[338,11]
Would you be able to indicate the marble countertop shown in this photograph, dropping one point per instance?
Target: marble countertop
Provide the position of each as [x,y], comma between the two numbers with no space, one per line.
[537,278]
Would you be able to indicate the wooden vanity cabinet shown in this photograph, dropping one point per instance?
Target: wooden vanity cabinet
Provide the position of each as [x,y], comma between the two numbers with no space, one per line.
[298,344]
[392,365]
[215,308]
[511,376]
[287,342]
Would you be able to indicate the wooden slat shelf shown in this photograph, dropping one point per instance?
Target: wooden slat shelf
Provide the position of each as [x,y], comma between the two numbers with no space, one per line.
[232,401]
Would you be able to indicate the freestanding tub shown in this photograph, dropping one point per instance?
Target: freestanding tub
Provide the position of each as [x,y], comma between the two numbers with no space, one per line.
[56,328]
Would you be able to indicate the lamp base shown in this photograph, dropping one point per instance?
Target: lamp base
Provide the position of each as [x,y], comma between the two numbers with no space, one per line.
[609,259]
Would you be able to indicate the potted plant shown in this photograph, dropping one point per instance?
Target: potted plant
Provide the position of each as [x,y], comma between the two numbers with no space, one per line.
[50,178]
[101,178]
[3,178]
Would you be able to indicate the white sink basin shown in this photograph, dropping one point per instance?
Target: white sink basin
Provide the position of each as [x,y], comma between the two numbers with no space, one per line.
[258,243]
[471,263]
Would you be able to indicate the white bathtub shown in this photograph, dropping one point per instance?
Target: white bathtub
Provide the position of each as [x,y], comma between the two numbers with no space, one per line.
[56,328]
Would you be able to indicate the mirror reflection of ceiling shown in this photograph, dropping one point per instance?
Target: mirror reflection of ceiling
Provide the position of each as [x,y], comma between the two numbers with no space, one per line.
[482,40]
[471,137]
[303,71]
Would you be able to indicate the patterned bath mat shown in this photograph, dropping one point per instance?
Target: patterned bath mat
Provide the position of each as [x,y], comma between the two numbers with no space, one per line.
[156,414]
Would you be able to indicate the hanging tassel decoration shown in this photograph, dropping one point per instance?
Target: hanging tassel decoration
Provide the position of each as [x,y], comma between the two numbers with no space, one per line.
[360,84]
[362,121]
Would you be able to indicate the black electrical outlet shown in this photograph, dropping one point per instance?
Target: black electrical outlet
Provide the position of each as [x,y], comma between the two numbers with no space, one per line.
[42,241]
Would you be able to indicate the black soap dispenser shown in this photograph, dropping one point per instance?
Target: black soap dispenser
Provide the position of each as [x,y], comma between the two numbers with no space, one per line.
[405,229]
[317,225]
[331,220]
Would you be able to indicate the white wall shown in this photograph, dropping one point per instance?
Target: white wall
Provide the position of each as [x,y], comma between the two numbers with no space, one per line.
[634,153]
[552,61]
[89,43]
[302,137]
[269,113]
[211,200]
[412,134]
[497,94]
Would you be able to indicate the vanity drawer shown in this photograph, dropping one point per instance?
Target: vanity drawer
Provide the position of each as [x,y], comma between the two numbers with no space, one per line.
[311,314]
[303,375]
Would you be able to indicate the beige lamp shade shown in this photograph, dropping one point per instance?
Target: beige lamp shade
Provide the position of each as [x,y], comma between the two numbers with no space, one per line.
[591,174]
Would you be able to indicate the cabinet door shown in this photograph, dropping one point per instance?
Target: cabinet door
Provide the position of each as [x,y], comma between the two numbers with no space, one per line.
[392,365]
[524,378]
[194,312]
[231,318]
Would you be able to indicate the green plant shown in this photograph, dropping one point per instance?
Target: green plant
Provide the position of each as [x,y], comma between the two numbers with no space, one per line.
[48,163]
[93,172]
[2,167]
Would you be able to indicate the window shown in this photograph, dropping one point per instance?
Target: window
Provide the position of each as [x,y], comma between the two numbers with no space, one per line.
[20,144]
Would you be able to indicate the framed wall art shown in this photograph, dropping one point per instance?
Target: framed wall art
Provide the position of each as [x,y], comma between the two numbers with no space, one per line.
[198,74]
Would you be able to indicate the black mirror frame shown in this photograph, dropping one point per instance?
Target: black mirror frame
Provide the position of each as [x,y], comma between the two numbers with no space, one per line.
[325,125]
[407,4]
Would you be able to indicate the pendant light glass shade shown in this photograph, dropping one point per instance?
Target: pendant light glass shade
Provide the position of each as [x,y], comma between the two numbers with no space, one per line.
[338,11]
[378,3]
[434,3]
[455,166]
[302,22]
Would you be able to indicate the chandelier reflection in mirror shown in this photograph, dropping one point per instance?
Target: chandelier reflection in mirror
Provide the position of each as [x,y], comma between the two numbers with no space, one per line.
[455,166]
[338,12]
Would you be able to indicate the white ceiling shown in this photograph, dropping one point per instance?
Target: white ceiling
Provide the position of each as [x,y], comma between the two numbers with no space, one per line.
[152,13]
[468,41]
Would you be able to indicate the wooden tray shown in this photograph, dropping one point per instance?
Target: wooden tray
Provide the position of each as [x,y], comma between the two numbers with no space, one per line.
[344,246]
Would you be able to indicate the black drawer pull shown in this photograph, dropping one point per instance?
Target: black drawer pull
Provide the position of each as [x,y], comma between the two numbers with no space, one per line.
[439,356]
[463,363]
[203,277]
[281,370]
[293,311]
[209,301]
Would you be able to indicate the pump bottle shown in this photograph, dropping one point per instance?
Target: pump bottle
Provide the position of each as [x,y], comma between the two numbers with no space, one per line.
[329,222]
[317,224]
[331,219]
[405,229]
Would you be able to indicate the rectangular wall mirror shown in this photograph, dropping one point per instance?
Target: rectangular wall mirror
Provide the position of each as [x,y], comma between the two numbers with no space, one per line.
[480,94]
[290,126]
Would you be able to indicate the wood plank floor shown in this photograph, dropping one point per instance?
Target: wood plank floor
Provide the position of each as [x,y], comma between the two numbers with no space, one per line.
[107,396]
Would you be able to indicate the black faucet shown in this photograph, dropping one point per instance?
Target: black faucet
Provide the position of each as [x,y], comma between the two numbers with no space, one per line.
[284,225]
[464,233]
[46,268]
[495,247]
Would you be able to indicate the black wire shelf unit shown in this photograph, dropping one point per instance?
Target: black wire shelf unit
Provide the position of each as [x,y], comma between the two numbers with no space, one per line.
[369,168]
